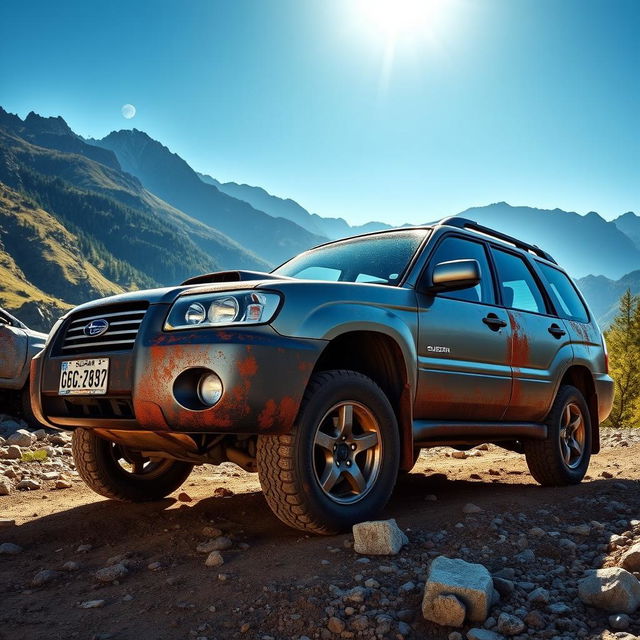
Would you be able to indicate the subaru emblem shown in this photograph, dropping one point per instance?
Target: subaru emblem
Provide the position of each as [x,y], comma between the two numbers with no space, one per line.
[96,328]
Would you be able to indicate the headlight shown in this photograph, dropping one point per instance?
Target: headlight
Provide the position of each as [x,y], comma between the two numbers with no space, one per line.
[222,309]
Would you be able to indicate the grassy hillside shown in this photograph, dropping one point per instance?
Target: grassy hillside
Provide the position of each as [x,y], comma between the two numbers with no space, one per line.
[42,261]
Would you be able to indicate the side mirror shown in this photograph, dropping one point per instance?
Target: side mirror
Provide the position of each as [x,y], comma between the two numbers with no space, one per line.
[454,275]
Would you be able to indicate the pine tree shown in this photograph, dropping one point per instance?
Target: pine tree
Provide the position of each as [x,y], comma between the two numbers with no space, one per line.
[623,342]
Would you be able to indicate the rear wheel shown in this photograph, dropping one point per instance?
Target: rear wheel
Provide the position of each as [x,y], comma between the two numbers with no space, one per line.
[339,464]
[120,473]
[563,457]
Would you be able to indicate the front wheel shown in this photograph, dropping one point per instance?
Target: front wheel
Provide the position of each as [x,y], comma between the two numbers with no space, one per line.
[120,473]
[563,457]
[339,464]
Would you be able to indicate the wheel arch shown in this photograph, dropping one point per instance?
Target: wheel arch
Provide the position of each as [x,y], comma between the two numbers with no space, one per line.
[580,377]
[378,356]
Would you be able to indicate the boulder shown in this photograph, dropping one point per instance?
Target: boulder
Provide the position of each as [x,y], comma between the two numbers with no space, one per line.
[378,538]
[613,589]
[631,558]
[470,583]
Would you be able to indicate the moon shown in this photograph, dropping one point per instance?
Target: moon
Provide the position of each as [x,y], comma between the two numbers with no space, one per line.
[128,111]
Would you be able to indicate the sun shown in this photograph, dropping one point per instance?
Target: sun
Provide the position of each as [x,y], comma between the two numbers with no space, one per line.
[398,18]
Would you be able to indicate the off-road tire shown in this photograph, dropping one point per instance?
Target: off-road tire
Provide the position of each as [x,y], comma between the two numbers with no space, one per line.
[544,457]
[285,465]
[105,476]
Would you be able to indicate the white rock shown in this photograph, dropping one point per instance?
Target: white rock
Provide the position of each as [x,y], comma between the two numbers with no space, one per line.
[22,438]
[470,583]
[378,537]
[631,558]
[92,604]
[613,589]
[214,559]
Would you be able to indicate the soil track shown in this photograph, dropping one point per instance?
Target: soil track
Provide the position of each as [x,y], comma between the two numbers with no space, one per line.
[280,585]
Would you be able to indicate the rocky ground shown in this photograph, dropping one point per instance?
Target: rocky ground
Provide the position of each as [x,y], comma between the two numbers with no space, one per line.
[213,562]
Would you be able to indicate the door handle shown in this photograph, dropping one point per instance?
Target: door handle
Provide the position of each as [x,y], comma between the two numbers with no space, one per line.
[556,331]
[493,322]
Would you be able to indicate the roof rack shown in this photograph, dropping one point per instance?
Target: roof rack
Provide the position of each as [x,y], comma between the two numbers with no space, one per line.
[465,223]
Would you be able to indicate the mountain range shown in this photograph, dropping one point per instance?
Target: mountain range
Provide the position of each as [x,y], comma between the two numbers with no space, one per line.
[84,218]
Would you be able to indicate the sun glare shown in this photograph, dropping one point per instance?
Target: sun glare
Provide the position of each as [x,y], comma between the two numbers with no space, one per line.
[397,18]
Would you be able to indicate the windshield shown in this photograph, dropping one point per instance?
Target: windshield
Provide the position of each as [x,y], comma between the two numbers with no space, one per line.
[381,258]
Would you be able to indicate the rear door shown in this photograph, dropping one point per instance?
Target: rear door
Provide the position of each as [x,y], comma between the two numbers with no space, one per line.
[13,350]
[539,343]
[463,343]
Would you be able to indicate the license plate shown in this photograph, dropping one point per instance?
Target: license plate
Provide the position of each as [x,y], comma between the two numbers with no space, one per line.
[84,377]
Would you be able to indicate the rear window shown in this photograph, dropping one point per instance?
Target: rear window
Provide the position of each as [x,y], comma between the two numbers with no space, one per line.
[568,302]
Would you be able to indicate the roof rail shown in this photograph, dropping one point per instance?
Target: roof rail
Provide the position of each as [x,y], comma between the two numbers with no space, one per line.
[466,223]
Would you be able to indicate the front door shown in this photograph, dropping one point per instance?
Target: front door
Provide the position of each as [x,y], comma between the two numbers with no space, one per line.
[463,344]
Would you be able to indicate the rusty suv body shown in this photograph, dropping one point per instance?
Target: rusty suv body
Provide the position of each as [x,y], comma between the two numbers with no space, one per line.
[464,334]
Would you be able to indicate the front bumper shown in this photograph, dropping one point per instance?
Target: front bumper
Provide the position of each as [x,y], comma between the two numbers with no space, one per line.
[264,376]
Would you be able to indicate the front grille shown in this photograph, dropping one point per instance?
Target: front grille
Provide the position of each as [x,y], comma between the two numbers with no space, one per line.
[124,323]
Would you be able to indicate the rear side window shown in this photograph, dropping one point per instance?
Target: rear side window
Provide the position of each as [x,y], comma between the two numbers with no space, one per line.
[455,248]
[517,284]
[565,294]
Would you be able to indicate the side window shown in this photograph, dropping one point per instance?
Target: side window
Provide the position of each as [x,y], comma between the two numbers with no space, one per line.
[455,248]
[517,284]
[567,298]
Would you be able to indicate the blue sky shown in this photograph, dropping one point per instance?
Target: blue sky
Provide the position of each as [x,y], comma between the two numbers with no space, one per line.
[536,102]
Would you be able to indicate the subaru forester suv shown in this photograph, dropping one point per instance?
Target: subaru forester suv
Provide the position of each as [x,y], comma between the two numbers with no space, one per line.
[328,375]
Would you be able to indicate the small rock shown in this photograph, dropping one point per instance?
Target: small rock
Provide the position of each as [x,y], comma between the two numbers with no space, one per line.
[43,577]
[380,537]
[154,566]
[63,484]
[211,532]
[539,596]
[510,625]
[70,566]
[471,508]
[91,604]
[613,589]
[214,559]
[455,635]
[503,586]
[460,455]
[217,544]
[22,438]
[5,487]
[222,492]
[336,625]
[40,434]
[525,556]
[430,497]
[83,548]
[14,452]
[28,485]
[8,548]
[631,558]
[579,530]
[111,573]
[619,621]
[535,619]
[559,608]
[184,497]
[483,634]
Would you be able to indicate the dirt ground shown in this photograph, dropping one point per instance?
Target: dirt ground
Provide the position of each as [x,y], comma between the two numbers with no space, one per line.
[279,583]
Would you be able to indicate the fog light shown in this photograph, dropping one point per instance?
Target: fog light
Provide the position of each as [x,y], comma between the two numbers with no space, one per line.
[209,389]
